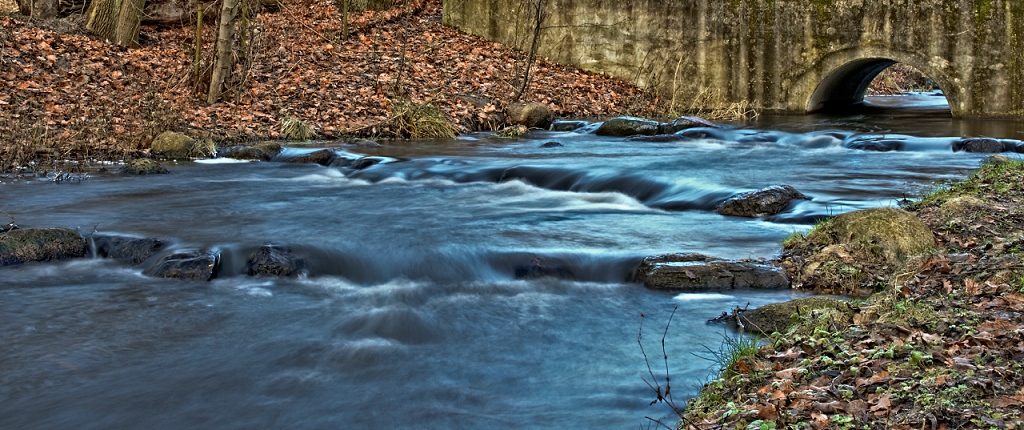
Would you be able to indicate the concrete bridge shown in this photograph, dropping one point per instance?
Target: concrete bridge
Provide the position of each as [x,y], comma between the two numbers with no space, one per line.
[779,55]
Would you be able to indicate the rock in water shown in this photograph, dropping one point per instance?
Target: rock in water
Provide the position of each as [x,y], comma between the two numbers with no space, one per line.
[40,244]
[562,125]
[980,145]
[273,260]
[323,157]
[625,126]
[544,267]
[763,202]
[697,272]
[683,123]
[531,115]
[194,265]
[142,166]
[261,151]
[131,250]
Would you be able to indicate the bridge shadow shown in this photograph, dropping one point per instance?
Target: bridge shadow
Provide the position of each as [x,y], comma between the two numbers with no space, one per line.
[879,86]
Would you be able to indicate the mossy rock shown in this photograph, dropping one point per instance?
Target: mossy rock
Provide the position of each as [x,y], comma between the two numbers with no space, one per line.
[628,126]
[804,314]
[142,166]
[40,244]
[531,115]
[894,233]
[173,146]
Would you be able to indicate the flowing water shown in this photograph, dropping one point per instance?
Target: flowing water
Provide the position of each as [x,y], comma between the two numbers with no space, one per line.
[412,313]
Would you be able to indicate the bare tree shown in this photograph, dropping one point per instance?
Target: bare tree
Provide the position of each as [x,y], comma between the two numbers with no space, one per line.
[225,50]
[116,21]
[42,9]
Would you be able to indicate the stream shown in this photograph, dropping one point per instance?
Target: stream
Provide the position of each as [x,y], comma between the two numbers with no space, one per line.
[412,314]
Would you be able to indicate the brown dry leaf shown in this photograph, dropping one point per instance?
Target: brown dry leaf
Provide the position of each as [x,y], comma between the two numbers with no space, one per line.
[877,378]
[1007,401]
[767,412]
[881,404]
[996,328]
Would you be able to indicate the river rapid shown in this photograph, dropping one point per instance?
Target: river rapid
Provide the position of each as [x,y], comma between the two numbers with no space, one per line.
[415,312]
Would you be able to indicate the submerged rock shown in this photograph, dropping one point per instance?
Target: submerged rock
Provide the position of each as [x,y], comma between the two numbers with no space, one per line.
[562,125]
[763,202]
[198,265]
[684,123]
[530,115]
[142,166]
[979,145]
[698,272]
[877,143]
[131,250]
[40,244]
[273,260]
[628,126]
[544,267]
[551,144]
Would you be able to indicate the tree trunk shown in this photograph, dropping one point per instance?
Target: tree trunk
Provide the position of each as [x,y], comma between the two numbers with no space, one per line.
[117,21]
[225,48]
[42,9]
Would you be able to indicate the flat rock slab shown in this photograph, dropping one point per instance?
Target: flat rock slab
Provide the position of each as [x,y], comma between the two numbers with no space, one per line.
[40,244]
[628,126]
[697,272]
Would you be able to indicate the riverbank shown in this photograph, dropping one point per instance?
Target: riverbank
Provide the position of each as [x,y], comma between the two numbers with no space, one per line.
[65,95]
[939,345]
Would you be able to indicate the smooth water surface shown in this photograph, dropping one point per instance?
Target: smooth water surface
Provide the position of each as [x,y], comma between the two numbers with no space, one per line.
[412,314]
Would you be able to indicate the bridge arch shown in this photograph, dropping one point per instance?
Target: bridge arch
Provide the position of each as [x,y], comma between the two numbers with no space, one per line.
[843,79]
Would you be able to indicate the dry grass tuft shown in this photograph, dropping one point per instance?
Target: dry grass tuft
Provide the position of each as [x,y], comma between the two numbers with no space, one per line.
[419,121]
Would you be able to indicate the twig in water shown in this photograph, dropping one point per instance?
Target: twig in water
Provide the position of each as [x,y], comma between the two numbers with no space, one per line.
[9,226]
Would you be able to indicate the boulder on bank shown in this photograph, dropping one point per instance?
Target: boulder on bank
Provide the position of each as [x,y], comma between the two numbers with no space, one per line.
[173,146]
[698,272]
[198,265]
[893,232]
[40,244]
[763,202]
[782,317]
[982,145]
[856,250]
[531,115]
[131,250]
[264,151]
[273,260]
[626,126]
[142,166]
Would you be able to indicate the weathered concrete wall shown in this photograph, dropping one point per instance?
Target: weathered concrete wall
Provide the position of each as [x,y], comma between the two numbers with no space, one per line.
[781,55]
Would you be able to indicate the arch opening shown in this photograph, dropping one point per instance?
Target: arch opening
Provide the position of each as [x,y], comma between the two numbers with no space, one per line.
[846,89]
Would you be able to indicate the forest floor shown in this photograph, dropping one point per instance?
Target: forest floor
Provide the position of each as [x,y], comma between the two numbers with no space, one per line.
[65,94]
[940,345]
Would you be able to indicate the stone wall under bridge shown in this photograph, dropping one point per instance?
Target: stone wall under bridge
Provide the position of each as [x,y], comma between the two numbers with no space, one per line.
[780,55]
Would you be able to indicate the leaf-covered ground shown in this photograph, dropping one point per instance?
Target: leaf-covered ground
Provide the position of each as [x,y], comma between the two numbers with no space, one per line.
[64,92]
[941,346]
